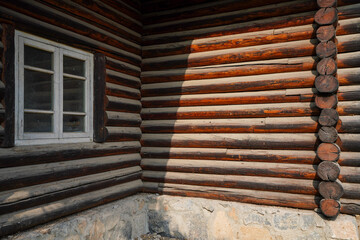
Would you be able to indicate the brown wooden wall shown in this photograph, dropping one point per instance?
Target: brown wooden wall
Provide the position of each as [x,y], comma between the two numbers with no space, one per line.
[228,101]
[41,183]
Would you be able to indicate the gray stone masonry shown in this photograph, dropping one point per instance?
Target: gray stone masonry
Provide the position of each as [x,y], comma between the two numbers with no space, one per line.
[193,218]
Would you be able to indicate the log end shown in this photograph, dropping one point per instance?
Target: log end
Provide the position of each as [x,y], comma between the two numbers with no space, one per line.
[330,207]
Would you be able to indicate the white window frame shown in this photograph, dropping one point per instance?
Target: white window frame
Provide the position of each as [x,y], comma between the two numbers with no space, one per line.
[59,50]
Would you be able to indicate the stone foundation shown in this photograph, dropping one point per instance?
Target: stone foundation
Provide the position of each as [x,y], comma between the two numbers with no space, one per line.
[193,218]
[123,219]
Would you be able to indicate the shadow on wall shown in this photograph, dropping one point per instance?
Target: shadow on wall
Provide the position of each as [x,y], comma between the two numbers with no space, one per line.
[230,114]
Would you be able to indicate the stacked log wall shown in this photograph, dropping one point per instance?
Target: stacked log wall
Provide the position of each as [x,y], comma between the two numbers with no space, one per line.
[228,96]
[42,183]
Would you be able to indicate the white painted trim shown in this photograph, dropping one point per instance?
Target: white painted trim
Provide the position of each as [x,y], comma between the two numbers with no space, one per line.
[57,136]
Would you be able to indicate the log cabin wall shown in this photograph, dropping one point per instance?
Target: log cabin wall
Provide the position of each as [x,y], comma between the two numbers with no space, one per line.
[228,101]
[42,183]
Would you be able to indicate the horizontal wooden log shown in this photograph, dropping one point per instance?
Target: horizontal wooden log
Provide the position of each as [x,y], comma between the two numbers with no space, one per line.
[327,66]
[43,14]
[328,171]
[328,134]
[233,55]
[232,17]
[351,159]
[122,67]
[331,190]
[107,25]
[325,33]
[330,207]
[26,155]
[349,142]
[323,101]
[347,124]
[270,96]
[248,111]
[297,171]
[122,104]
[328,117]
[345,12]
[123,134]
[254,53]
[133,14]
[304,141]
[326,16]
[122,79]
[326,49]
[232,140]
[122,91]
[58,34]
[326,3]
[196,9]
[345,60]
[328,152]
[21,220]
[345,93]
[269,169]
[350,206]
[26,176]
[16,196]
[250,125]
[231,111]
[237,195]
[122,119]
[80,186]
[300,186]
[111,14]
[303,32]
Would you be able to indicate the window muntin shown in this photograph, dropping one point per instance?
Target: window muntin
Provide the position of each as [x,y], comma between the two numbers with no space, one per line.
[53,92]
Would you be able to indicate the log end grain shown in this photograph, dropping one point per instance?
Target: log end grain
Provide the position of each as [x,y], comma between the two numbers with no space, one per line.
[326,84]
[326,101]
[326,16]
[331,190]
[330,207]
[325,33]
[328,134]
[327,66]
[328,152]
[326,49]
[328,171]
[328,117]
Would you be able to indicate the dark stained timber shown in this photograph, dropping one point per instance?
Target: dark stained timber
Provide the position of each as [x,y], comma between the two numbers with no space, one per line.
[99,98]
[8,76]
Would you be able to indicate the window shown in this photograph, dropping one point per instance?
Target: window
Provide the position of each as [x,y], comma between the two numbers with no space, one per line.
[53,92]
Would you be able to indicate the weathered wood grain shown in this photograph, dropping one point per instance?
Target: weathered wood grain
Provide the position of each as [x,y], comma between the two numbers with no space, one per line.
[16,221]
[27,155]
[80,185]
[331,190]
[328,171]
[330,207]
[26,175]
[328,134]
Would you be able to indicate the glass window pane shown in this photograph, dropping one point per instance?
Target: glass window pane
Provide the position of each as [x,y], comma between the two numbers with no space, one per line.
[37,122]
[74,95]
[72,123]
[38,90]
[38,58]
[74,66]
